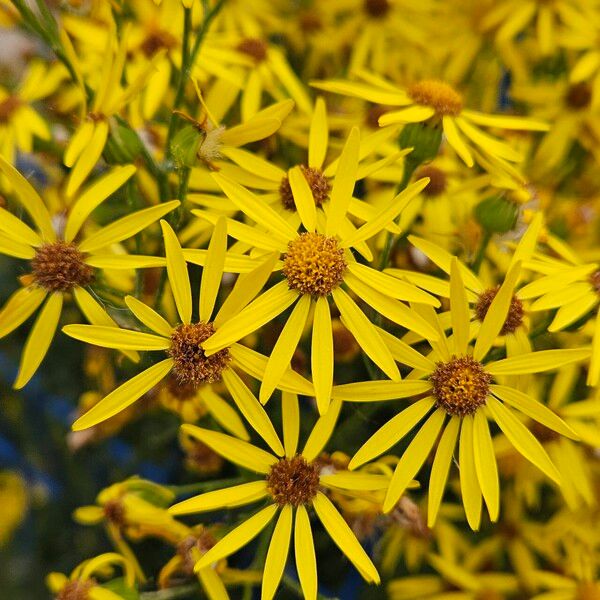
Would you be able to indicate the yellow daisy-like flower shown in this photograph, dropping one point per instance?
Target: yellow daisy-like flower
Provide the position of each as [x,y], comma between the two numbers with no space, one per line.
[460,384]
[315,264]
[431,99]
[184,342]
[82,583]
[292,484]
[61,264]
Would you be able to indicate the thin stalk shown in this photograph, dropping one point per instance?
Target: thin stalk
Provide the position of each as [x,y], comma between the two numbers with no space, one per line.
[180,591]
[485,240]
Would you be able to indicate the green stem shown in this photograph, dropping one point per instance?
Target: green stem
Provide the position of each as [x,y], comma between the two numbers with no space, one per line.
[259,558]
[485,240]
[205,486]
[182,591]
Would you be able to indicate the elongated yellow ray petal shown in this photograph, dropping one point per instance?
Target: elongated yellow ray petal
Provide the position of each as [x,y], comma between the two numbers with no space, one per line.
[213,270]
[19,307]
[375,391]
[537,362]
[39,339]
[114,337]
[459,309]
[322,431]
[149,317]
[343,537]
[355,481]
[223,413]
[277,553]
[485,464]
[124,261]
[178,273]
[211,581]
[304,551]
[303,198]
[238,495]
[469,485]
[12,247]
[456,140]
[318,137]
[17,229]
[321,355]
[290,418]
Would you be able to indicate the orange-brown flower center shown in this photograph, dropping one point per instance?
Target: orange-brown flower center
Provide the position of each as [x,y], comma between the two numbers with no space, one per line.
[314,264]
[191,365]
[114,511]
[460,386]
[293,481]
[318,183]
[444,99]
[579,96]
[595,281]
[514,318]
[76,590]
[7,107]
[157,40]
[253,47]
[437,180]
[60,266]
[376,8]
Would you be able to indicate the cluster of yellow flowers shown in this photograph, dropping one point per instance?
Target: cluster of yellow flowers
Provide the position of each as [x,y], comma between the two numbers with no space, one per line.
[370,225]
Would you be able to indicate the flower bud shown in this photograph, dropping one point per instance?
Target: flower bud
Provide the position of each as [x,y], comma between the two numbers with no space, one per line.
[123,145]
[496,214]
[185,145]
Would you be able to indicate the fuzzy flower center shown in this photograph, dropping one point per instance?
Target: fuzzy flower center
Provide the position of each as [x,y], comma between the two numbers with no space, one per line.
[578,96]
[595,281]
[76,590]
[7,107]
[157,40]
[254,48]
[192,366]
[314,264]
[514,318]
[114,512]
[318,183]
[293,481]
[437,180]
[59,267]
[182,391]
[444,99]
[460,386]
[376,8]
[204,541]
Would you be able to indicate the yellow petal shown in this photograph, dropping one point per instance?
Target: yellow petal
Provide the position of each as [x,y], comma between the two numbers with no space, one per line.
[213,270]
[19,307]
[39,339]
[321,356]
[12,247]
[392,432]
[343,184]
[533,408]
[364,91]
[126,227]
[93,196]
[526,246]
[521,438]
[290,417]
[256,209]
[486,142]
[322,431]
[254,164]
[238,495]
[124,261]
[237,451]
[87,160]
[277,553]
[485,464]
[387,215]
[149,317]
[459,309]
[375,391]
[257,128]
[284,348]
[365,333]
[469,485]
[411,114]
[223,413]
[114,337]
[253,412]
[29,199]
[211,582]
[537,362]
[318,137]
[19,230]
[505,121]
[124,395]
[342,535]
[355,481]
[260,311]
[495,317]
[304,550]
[413,458]
[238,538]
[303,198]
[178,273]
[79,140]
[404,354]
[594,367]
[456,140]
[440,469]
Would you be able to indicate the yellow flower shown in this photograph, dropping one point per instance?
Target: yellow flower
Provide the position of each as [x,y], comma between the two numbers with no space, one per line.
[315,264]
[82,583]
[431,99]
[20,122]
[61,265]
[15,500]
[184,343]
[292,485]
[460,384]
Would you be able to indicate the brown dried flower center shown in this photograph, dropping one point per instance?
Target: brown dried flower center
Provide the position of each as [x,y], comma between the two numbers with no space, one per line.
[7,107]
[318,183]
[192,366]
[114,512]
[157,40]
[377,8]
[514,318]
[373,114]
[444,99]
[310,21]
[293,481]
[60,266]
[314,264]
[182,391]
[579,96]
[595,281]
[253,47]
[76,590]
[460,386]
[437,180]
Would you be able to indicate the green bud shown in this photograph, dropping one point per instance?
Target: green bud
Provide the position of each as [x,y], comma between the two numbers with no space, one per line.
[496,214]
[423,138]
[185,145]
[123,145]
